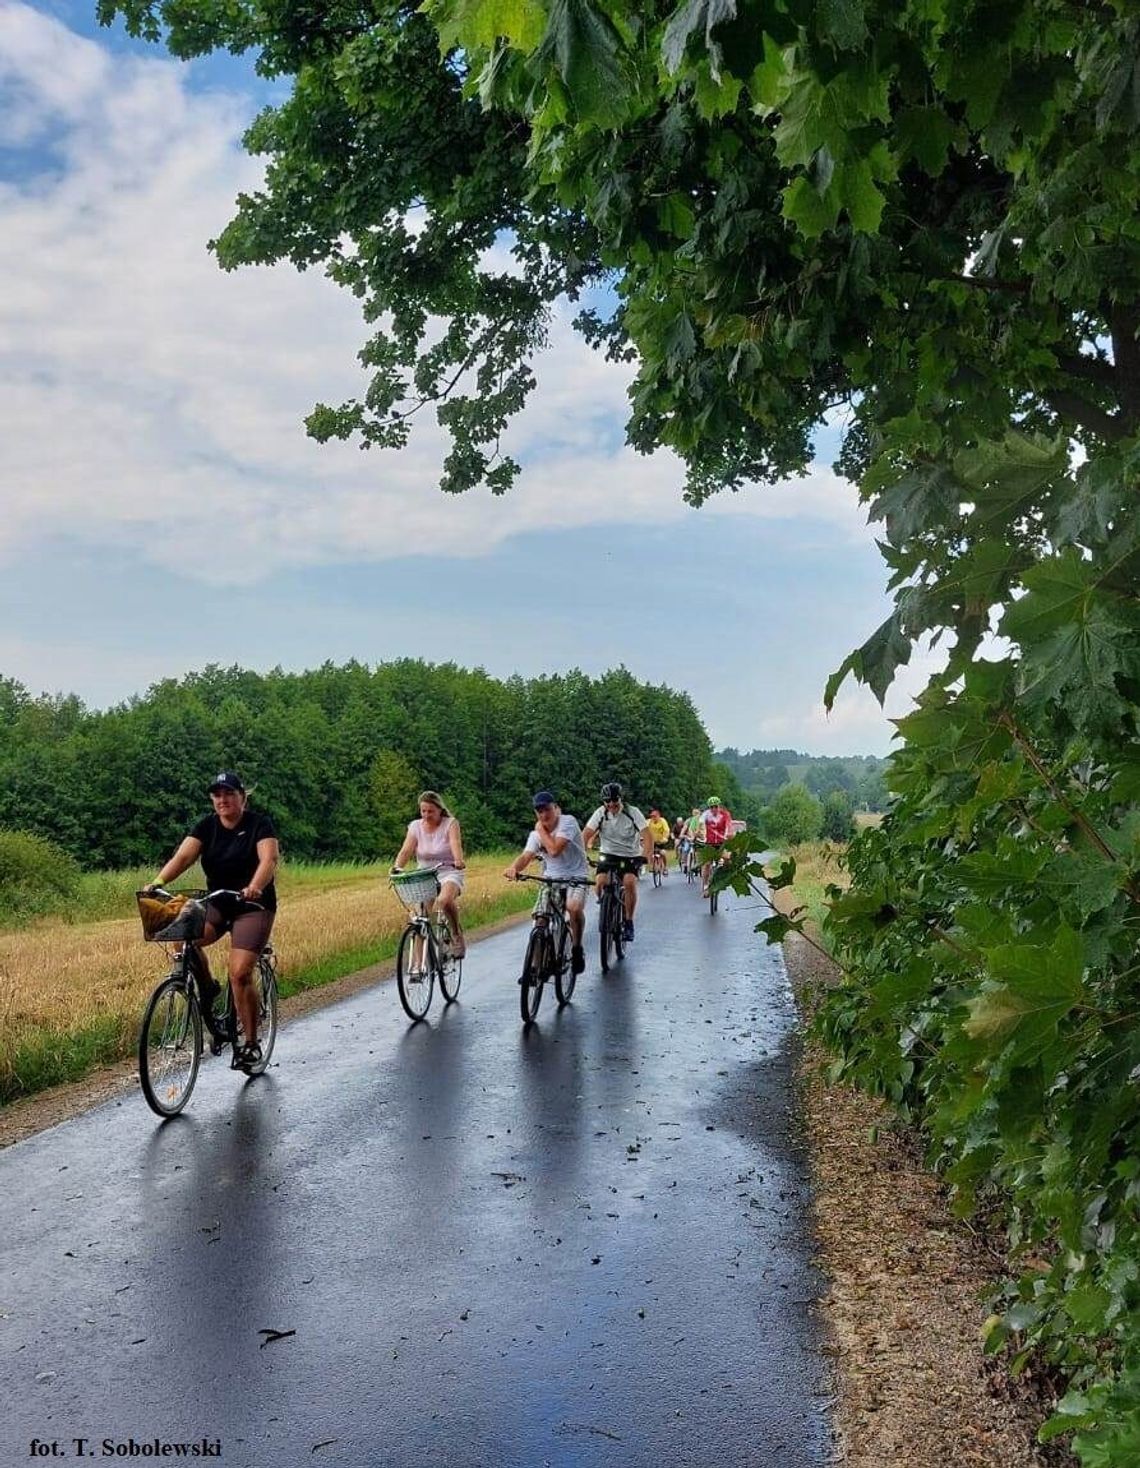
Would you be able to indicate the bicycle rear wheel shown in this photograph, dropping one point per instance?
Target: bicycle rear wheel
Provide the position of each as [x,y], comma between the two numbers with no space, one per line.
[170,1047]
[414,988]
[533,974]
[265,986]
[714,895]
[564,976]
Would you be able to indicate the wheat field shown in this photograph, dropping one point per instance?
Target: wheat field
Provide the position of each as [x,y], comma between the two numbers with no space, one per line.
[71,995]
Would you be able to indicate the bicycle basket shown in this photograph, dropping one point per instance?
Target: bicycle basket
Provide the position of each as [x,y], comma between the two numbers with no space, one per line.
[177,919]
[415,887]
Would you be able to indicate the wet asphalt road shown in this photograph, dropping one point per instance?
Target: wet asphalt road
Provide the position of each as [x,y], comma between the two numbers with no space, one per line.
[581,1245]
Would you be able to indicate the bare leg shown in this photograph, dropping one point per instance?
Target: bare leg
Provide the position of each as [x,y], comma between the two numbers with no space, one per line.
[447,905]
[241,964]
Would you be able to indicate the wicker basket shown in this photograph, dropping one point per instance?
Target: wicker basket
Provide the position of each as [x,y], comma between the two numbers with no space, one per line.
[415,887]
[175,919]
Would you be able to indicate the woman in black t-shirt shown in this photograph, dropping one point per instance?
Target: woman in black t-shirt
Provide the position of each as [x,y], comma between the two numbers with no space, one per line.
[238,850]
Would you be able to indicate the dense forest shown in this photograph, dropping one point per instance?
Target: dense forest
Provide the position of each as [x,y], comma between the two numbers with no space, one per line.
[338,755]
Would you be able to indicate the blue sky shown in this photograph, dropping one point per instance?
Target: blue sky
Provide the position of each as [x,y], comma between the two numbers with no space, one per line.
[164,508]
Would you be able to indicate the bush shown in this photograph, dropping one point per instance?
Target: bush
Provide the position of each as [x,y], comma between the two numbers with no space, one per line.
[36,876]
[794,816]
[838,811]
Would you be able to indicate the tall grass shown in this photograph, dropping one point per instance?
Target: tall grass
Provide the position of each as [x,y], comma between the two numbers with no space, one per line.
[819,864]
[72,993]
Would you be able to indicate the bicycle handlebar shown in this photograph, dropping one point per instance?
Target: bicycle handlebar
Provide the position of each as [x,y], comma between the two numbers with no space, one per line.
[553,881]
[204,896]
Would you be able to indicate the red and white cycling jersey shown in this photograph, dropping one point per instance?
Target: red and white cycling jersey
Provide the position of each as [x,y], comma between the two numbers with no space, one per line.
[717,826]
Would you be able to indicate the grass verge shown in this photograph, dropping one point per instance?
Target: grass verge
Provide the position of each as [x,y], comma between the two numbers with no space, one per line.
[819,864]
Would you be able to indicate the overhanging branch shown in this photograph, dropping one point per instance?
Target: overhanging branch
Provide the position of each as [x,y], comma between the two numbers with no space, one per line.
[1086,415]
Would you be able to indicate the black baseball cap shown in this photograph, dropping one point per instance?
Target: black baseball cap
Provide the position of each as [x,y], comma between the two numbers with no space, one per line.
[227,780]
[543,797]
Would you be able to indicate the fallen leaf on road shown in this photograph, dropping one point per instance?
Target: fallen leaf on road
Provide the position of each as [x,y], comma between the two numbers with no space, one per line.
[274,1335]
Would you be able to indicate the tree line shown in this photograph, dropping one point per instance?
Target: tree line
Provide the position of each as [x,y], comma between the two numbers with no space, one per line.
[338,755]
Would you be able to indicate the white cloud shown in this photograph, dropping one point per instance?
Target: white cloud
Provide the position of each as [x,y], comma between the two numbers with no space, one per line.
[147,393]
[855,722]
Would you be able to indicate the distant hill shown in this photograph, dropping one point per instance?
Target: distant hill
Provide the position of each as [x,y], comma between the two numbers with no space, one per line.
[763,772]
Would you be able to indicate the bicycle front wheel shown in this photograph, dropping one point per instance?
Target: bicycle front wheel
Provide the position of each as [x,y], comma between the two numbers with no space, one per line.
[414,983]
[170,1047]
[449,972]
[606,929]
[656,874]
[564,976]
[533,975]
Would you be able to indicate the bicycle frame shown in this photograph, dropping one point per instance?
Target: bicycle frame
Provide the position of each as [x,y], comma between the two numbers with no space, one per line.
[548,948]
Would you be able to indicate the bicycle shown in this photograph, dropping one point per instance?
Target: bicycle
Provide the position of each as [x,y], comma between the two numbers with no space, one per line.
[548,946]
[714,861]
[688,864]
[611,914]
[170,1040]
[428,936]
[659,860]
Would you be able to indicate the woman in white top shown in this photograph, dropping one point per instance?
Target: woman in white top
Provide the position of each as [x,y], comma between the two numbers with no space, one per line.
[436,841]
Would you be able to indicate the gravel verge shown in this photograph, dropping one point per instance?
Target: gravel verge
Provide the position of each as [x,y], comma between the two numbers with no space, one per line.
[907,1284]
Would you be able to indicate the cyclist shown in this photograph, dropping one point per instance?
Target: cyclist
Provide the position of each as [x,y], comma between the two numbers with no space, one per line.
[625,841]
[659,830]
[716,828]
[238,850]
[556,841]
[685,843]
[435,840]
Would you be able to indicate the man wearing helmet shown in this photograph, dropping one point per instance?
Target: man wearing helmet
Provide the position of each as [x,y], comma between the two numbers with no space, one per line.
[716,828]
[625,841]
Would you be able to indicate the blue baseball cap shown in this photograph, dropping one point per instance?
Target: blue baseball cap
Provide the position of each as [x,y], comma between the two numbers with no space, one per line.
[543,797]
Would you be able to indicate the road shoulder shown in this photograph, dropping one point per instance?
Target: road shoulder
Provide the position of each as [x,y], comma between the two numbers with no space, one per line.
[906,1285]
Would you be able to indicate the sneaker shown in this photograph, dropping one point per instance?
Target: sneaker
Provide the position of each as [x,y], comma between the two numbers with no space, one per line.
[577,959]
[627,931]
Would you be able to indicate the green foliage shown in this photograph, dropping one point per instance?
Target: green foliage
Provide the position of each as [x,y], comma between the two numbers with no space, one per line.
[838,810]
[989,943]
[338,756]
[36,876]
[795,815]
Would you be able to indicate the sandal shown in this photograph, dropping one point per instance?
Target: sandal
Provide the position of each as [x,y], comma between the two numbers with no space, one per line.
[246,1057]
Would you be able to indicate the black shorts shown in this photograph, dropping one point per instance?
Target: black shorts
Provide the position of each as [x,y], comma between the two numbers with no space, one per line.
[249,927]
[622,864]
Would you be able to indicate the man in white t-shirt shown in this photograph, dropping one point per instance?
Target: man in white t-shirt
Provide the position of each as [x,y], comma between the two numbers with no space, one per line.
[556,841]
[623,835]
